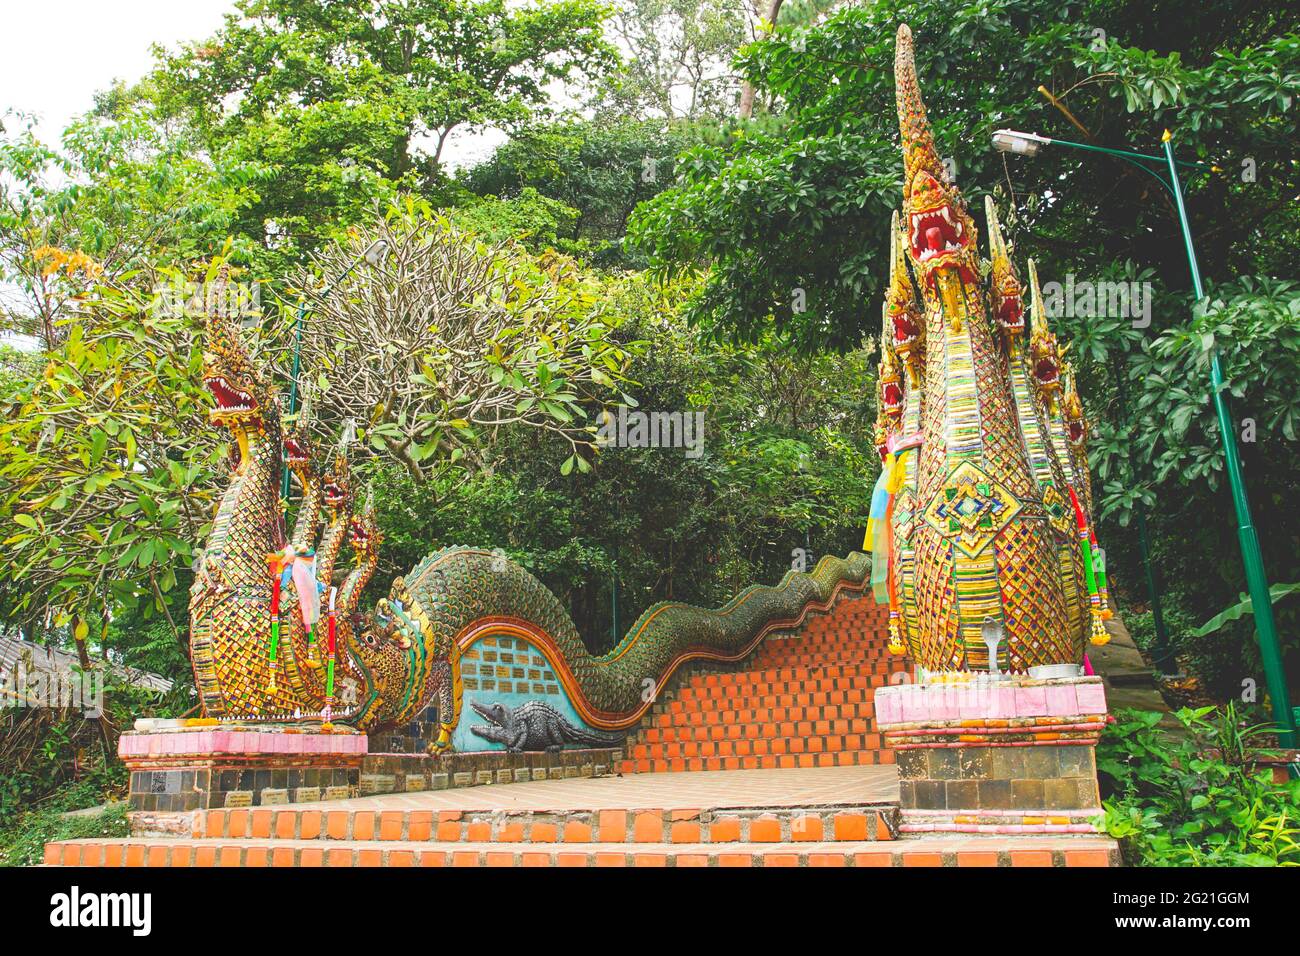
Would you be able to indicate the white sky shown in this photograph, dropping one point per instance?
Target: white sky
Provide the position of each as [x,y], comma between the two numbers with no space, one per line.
[53,58]
[55,55]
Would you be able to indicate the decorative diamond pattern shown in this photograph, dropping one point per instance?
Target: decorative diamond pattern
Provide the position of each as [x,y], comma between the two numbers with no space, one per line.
[970,509]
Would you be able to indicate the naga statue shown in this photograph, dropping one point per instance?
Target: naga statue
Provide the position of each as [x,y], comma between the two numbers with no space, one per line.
[277,634]
[985,519]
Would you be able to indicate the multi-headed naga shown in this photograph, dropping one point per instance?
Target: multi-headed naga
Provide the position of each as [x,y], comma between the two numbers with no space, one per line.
[992,488]
[277,634]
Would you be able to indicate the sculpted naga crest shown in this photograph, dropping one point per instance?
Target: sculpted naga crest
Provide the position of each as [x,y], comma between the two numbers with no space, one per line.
[989,504]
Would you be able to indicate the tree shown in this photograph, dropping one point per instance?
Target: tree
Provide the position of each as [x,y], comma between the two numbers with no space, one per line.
[107,466]
[680,58]
[350,103]
[446,340]
[601,169]
[119,196]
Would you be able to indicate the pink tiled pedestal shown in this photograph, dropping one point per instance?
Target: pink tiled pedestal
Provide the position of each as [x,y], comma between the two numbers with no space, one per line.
[1015,756]
[184,765]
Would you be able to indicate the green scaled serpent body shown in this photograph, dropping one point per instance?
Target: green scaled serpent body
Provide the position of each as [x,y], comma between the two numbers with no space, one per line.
[457,594]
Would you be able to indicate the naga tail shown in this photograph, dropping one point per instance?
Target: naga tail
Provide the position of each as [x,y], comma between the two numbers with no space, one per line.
[470,621]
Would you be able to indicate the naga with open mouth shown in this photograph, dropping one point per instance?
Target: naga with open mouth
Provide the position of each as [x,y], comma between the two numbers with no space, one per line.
[982,526]
[255,656]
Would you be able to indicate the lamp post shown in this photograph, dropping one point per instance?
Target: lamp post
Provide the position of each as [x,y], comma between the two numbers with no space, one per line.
[1030,144]
[372,254]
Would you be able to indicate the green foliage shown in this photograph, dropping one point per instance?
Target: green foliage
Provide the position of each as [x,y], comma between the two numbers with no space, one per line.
[601,168]
[22,841]
[349,104]
[1256,326]
[120,195]
[1191,797]
[530,218]
[107,462]
[680,62]
[57,758]
[1242,608]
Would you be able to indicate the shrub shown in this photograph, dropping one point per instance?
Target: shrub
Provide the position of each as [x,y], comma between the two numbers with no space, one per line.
[1190,797]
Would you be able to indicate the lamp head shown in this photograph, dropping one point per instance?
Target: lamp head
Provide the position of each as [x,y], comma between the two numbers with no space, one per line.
[1022,144]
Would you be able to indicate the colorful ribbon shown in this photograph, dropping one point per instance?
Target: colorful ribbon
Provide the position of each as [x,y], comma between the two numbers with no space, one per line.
[880,535]
[1098,630]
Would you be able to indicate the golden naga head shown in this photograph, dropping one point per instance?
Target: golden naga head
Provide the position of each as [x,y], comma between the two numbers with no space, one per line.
[298,444]
[903,319]
[363,532]
[889,397]
[243,397]
[336,485]
[940,232]
[1006,291]
[1076,426]
[1044,355]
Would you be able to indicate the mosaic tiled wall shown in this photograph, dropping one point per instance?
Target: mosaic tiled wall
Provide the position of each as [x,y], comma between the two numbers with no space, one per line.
[495,670]
[510,671]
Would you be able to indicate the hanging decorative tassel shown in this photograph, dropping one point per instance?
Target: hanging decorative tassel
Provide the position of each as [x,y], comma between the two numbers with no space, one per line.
[331,650]
[309,590]
[1098,634]
[1099,561]
[275,561]
[880,540]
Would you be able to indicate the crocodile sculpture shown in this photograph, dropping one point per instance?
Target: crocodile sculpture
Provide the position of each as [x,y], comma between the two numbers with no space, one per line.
[986,461]
[257,655]
[535,725]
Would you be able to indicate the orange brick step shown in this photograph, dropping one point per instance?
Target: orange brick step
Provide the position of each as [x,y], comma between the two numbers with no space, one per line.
[937,851]
[843,758]
[770,825]
[804,700]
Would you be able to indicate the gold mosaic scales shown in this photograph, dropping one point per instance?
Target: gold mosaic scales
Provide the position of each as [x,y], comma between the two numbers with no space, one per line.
[985,533]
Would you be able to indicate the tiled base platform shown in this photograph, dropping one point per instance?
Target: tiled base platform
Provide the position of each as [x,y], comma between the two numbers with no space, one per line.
[929,852]
[845,816]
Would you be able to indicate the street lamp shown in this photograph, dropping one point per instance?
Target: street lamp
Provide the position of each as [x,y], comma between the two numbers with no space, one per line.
[1022,144]
[372,255]
[1029,144]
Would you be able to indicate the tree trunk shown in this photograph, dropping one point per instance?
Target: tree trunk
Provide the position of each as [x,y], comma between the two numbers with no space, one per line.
[747,92]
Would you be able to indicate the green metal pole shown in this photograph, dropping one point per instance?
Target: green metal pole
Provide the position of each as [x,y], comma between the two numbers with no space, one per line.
[1256,581]
[293,389]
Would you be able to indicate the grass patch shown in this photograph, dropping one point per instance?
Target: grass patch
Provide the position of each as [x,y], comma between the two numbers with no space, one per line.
[22,843]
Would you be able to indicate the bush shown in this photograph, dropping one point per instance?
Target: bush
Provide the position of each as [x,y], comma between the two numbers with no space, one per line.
[23,844]
[1190,797]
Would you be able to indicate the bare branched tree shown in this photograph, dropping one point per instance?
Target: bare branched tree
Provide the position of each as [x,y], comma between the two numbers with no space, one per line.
[431,341]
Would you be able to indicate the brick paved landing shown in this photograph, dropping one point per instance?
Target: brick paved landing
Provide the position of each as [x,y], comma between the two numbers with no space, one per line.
[814,786]
[835,816]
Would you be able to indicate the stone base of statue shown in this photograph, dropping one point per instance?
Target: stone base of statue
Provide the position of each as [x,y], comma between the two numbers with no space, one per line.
[985,755]
[184,765]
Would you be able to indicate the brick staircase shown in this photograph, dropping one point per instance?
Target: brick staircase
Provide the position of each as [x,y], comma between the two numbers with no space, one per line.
[392,831]
[793,729]
[802,700]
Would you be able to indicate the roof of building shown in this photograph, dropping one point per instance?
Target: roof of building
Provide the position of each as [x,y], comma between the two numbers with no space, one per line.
[51,660]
